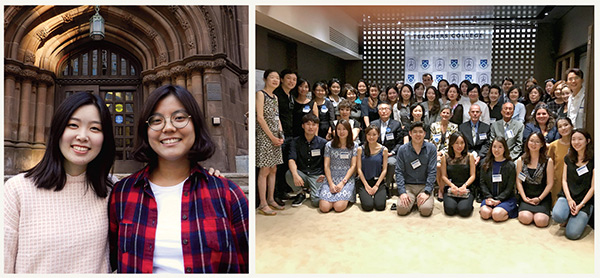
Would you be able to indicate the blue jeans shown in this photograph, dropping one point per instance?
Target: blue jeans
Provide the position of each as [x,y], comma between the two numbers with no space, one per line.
[575,224]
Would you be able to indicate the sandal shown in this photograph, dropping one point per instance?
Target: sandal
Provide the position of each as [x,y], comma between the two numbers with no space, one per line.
[262,211]
[275,205]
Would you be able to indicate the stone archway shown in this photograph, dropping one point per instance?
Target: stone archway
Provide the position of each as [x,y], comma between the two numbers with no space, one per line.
[174,45]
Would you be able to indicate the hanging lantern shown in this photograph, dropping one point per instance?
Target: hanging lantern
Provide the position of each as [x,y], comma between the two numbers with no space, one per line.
[97,26]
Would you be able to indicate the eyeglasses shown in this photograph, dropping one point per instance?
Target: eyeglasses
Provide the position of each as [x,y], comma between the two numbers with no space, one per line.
[179,120]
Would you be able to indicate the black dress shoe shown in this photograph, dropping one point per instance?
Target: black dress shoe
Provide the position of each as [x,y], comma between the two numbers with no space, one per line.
[285,197]
[298,200]
[279,202]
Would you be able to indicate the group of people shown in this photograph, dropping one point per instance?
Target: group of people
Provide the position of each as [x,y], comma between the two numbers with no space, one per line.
[527,156]
[68,214]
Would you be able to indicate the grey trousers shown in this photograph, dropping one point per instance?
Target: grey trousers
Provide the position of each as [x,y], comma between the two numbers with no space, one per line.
[310,181]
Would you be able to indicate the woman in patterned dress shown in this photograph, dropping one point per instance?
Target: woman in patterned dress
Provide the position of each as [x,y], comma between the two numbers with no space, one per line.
[340,163]
[535,178]
[268,142]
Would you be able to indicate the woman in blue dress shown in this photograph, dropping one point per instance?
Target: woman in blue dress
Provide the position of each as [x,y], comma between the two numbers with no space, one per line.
[372,168]
[340,163]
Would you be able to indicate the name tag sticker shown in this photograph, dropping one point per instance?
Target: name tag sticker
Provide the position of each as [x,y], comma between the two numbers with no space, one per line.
[510,134]
[324,109]
[306,109]
[582,170]
[276,117]
[344,155]
[415,164]
[492,120]
[437,137]
[522,176]
[482,136]
[497,178]
[388,129]
[316,152]
[389,136]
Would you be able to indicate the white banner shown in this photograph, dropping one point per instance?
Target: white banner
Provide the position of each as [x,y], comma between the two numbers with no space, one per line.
[454,54]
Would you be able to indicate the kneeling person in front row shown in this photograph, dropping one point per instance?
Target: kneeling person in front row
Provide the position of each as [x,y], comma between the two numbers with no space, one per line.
[306,162]
[416,172]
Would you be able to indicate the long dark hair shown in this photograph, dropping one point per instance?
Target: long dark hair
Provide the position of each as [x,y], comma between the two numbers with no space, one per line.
[453,137]
[489,158]
[366,145]
[401,100]
[203,147]
[336,138]
[436,102]
[543,149]
[50,172]
[589,148]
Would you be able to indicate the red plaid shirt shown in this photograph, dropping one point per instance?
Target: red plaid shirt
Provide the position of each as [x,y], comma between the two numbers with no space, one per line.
[214,224]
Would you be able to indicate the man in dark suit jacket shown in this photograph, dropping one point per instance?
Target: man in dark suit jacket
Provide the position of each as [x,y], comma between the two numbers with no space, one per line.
[391,137]
[477,134]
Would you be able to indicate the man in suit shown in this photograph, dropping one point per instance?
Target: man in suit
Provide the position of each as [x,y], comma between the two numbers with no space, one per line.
[511,130]
[477,134]
[391,137]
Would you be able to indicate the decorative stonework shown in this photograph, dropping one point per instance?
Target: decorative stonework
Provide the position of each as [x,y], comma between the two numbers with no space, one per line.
[67,17]
[191,43]
[211,28]
[162,58]
[12,70]
[149,79]
[151,33]
[163,74]
[196,65]
[177,71]
[45,78]
[127,19]
[243,78]
[173,9]
[29,74]
[41,34]
[219,63]
[29,57]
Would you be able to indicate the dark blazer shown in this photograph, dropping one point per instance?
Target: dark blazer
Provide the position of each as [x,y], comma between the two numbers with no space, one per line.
[394,128]
[480,146]
[506,188]
[531,128]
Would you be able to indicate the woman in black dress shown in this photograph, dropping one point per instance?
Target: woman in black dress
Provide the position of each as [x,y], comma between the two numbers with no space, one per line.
[302,106]
[455,166]
[324,108]
[535,177]
[576,201]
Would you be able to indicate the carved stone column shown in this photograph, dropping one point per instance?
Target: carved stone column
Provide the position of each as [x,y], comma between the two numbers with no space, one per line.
[40,114]
[150,81]
[164,77]
[195,68]
[11,102]
[24,112]
[178,72]
[49,107]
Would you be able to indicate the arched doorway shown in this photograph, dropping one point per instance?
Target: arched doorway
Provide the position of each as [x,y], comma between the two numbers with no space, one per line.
[112,73]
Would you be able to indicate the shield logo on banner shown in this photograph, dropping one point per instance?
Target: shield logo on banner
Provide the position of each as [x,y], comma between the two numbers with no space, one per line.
[454,78]
[411,64]
[425,64]
[469,64]
[410,78]
[439,64]
[453,63]
[483,63]
[483,78]
[469,77]
[438,78]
